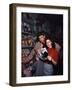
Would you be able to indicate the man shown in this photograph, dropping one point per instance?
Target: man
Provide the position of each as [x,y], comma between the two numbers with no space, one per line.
[38,45]
[38,65]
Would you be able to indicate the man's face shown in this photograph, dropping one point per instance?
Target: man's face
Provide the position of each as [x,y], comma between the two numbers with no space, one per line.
[42,38]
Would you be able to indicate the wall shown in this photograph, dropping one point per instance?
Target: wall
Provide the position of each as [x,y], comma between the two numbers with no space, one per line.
[4,44]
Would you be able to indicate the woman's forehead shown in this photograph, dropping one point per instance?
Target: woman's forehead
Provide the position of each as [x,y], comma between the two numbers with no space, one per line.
[48,40]
[41,36]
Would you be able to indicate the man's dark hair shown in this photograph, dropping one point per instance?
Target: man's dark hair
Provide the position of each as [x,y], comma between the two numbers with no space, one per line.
[39,34]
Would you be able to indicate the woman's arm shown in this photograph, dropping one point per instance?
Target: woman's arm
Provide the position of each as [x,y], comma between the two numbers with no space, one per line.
[52,60]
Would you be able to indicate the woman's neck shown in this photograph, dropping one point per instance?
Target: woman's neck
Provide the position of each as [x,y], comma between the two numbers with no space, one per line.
[50,46]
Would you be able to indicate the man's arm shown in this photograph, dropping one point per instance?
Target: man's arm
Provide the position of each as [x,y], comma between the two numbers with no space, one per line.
[29,57]
[32,54]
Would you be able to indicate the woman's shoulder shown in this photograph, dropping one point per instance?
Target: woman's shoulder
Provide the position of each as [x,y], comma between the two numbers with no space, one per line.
[54,50]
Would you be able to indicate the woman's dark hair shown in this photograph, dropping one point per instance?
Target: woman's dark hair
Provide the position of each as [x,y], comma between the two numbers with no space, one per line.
[53,43]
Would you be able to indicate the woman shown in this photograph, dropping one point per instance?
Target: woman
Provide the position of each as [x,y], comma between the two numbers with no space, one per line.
[51,58]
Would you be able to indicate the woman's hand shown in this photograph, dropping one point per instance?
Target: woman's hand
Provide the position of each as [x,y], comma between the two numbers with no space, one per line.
[49,58]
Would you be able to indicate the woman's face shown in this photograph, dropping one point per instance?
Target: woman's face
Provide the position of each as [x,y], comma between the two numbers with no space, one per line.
[49,43]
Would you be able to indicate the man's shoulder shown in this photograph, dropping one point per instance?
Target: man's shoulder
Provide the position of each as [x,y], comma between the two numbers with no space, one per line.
[37,45]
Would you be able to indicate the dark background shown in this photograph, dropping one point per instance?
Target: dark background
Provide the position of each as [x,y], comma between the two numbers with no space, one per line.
[51,24]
